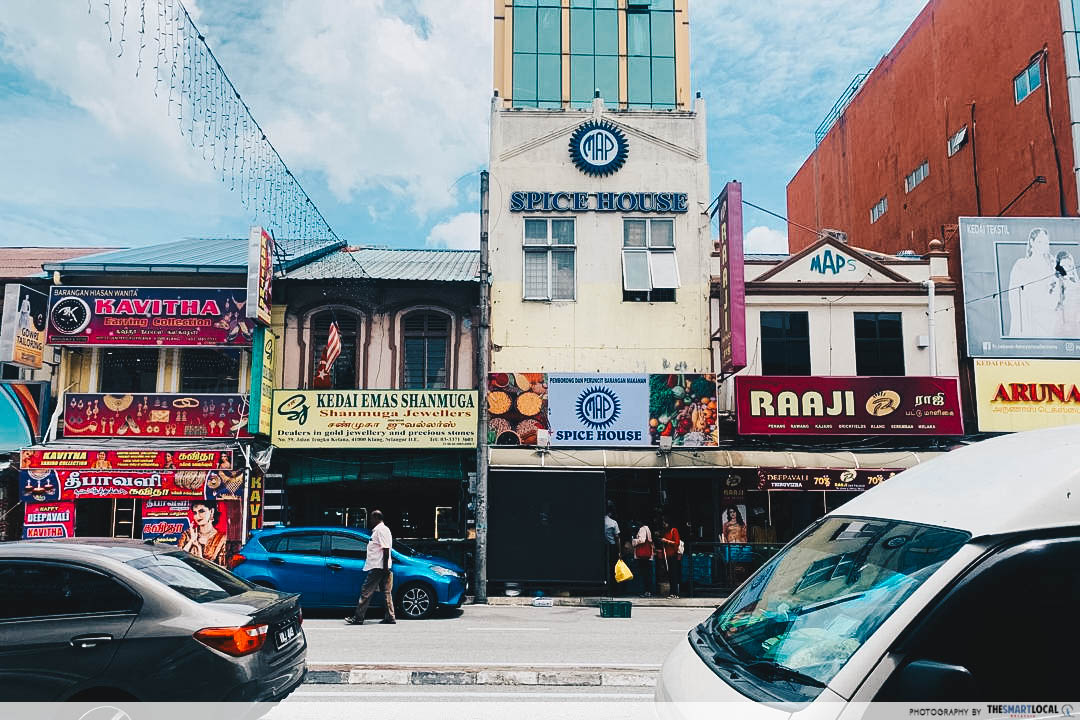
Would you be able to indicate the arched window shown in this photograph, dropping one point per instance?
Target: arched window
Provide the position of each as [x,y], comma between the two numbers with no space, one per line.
[345,372]
[426,336]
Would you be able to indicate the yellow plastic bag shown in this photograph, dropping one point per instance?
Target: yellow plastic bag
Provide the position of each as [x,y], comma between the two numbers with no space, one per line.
[622,572]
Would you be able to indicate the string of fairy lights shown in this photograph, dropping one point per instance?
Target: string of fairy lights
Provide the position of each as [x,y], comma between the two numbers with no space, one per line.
[212,115]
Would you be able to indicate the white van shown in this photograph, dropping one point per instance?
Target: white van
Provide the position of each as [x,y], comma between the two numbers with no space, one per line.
[956,580]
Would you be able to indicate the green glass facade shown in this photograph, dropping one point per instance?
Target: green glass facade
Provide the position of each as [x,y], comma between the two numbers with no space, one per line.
[593,53]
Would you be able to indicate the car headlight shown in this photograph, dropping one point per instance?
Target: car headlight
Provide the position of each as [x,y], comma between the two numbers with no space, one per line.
[445,572]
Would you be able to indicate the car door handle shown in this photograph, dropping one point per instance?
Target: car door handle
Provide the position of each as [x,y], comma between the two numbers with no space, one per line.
[334,566]
[277,561]
[89,641]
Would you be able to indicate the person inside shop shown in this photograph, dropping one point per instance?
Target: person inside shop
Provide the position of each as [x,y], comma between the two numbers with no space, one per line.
[669,556]
[734,530]
[643,559]
[377,565]
[203,539]
[611,545]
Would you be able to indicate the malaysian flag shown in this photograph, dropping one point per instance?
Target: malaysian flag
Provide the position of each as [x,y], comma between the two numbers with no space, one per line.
[330,353]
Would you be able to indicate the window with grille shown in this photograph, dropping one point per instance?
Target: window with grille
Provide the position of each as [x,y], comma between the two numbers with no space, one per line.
[345,372]
[549,259]
[878,210]
[209,370]
[917,176]
[427,350]
[128,370]
[650,269]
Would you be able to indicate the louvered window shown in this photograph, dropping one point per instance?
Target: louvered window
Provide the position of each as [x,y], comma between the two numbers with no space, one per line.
[427,349]
[344,373]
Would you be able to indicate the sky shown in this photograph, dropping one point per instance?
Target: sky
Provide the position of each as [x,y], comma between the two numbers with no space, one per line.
[379,107]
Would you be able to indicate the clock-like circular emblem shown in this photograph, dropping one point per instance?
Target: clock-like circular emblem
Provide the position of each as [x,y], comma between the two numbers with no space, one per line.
[70,315]
[598,148]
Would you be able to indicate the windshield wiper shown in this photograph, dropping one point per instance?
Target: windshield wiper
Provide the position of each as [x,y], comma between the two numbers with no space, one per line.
[776,670]
[814,607]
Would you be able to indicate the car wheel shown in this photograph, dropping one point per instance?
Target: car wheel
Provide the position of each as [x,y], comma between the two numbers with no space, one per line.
[416,601]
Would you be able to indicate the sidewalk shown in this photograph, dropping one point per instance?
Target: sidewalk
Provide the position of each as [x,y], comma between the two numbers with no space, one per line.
[567,645]
[522,600]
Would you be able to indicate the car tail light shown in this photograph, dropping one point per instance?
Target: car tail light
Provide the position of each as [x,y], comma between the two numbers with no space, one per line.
[236,560]
[235,641]
[300,615]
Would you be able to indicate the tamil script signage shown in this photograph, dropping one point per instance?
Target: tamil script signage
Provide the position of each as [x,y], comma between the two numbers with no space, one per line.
[123,316]
[260,280]
[844,480]
[102,459]
[1015,395]
[156,415]
[611,410]
[793,405]
[53,485]
[729,245]
[164,522]
[577,202]
[52,521]
[22,333]
[1021,286]
[374,418]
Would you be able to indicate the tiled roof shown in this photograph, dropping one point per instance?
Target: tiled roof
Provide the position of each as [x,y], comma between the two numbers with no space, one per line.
[213,255]
[388,264]
[17,262]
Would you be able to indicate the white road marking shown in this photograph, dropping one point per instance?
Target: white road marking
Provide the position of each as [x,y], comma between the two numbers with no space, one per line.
[390,664]
[507,628]
[511,693]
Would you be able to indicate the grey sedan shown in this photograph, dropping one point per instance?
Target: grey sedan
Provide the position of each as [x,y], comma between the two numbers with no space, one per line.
[99,619]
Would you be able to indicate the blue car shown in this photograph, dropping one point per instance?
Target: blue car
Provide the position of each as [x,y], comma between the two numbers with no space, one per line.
[326,566]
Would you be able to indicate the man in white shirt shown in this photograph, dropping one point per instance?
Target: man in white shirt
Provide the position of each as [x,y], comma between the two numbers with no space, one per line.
[377,566]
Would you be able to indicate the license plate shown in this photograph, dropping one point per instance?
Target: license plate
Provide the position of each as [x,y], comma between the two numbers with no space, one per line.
[287,634]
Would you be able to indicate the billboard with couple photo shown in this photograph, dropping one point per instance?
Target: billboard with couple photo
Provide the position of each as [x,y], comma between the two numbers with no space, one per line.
[1021,286]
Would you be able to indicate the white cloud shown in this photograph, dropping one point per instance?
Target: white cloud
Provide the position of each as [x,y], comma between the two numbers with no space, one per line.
[762,239]
[461,232]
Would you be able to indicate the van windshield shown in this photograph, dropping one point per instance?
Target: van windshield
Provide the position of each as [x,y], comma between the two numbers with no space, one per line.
[806,611]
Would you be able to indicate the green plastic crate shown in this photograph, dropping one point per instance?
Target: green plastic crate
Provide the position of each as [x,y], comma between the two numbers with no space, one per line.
[615,608]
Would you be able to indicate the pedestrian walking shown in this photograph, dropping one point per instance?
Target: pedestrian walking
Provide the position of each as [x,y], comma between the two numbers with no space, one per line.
[643,559]
[611,545]
[377,565]
[671,555]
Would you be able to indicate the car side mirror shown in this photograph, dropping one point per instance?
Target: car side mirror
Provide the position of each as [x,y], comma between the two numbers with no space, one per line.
[928,681]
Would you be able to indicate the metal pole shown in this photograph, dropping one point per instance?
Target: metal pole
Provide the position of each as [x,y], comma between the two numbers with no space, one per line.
[484,357]
[931,325]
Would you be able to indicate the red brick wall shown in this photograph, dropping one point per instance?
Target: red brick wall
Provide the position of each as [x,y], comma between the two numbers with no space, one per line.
[919,95]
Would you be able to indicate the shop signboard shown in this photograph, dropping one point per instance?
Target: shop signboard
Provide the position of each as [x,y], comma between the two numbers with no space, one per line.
[53,485]
[23,407]
[104,459]
[22,329]
[140,317]
[1021,286]
[262,382]
[164,522]
[729,245]
[582,410]
[374,418]
[256,498]
[156,415]
[53,521]
[826,479]
[260,278]
[797,405]
[1016,395]
[609,410]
